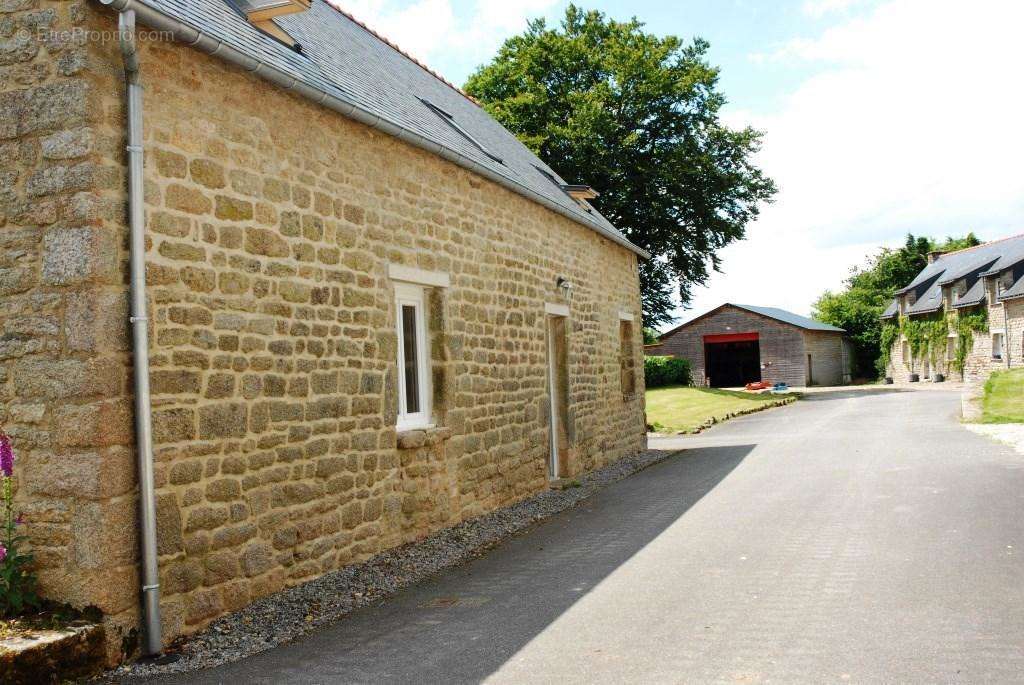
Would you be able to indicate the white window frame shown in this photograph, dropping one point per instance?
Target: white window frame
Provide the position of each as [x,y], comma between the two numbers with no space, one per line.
[1001,335]
[408,294]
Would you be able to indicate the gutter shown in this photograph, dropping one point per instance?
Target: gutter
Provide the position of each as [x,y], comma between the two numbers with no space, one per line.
[204,42]
[140,338]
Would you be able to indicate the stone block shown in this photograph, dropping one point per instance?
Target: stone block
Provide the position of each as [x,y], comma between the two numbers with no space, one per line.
[69,144]
[223,420]
[260,241]
[232,209]
[207,173]
[187,199]
[76,255]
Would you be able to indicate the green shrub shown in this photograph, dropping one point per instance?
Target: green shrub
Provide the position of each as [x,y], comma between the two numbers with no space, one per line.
[662,371]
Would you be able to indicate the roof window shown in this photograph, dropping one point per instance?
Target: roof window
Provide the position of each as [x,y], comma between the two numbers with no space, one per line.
[576,191]
[261,14]
[447,118]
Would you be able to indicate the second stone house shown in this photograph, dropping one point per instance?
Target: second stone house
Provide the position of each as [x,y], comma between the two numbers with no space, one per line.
[361,309]
[962,316]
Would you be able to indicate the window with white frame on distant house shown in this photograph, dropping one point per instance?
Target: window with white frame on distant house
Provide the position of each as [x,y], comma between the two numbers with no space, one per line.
[413,357]
[997,345]
[627,361]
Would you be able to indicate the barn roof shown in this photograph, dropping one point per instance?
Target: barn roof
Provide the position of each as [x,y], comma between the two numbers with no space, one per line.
[790,318]
[345,65]
[775,313]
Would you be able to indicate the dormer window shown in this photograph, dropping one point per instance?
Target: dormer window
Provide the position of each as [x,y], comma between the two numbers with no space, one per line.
[261,14]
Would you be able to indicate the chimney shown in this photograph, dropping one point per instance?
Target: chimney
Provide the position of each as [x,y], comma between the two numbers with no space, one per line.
[934,255]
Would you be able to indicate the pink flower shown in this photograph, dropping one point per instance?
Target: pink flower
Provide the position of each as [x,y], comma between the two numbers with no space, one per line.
[6,455]
[3,552]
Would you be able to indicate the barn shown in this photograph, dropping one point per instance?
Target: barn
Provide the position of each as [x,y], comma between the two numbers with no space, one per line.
[736,344]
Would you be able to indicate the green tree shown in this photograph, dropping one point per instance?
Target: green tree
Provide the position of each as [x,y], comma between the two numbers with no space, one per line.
[871,287]
[636,116]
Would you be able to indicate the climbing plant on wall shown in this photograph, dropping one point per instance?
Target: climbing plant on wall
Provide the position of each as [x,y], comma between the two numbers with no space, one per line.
[966,325]
[917,341]
[935,332]
[890,334]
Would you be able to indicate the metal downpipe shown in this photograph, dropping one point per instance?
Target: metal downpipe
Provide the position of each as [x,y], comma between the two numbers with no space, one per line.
[151,644]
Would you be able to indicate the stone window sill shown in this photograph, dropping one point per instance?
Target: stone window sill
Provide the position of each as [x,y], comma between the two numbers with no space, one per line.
[414,438]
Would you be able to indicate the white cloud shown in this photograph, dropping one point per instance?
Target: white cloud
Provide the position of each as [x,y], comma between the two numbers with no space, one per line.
[911,122]
[431,30]
[819,8]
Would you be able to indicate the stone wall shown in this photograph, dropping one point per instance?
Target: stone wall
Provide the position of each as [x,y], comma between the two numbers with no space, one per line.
[782,346]
[64,367]
[979,362]
[271,225]
[1015,330]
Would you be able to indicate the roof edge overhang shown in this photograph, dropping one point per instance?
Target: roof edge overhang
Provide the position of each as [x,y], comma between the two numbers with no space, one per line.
[196,38]
[965,305]
[930,310]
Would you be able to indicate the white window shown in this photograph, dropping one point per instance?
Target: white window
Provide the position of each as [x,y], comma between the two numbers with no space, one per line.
[413,357]
[997,345]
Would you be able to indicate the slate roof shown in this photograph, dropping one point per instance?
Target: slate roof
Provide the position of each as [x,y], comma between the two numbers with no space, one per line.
[974,295]
[344,59]
[892,310]
[770,312]
[790,318]
[1014,291]
[998,255]
[971,263]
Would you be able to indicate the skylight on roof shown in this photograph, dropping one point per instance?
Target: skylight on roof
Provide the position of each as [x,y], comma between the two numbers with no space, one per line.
[447,118]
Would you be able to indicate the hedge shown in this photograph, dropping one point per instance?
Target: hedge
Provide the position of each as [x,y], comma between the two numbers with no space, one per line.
[662,371]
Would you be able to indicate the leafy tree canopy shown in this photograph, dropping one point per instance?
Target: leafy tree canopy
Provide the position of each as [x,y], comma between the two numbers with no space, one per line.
[636,116]
[871,287]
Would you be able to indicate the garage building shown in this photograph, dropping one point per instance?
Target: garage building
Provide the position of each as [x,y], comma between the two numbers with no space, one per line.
[735,344]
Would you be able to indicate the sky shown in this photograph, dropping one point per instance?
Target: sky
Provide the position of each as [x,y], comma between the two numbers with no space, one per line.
[881,117]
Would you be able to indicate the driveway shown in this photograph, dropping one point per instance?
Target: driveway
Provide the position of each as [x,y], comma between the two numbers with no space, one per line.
[859,536]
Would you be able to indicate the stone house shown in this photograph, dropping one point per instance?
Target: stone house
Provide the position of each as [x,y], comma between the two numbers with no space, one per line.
[736,344]
[986,280]
[371,312]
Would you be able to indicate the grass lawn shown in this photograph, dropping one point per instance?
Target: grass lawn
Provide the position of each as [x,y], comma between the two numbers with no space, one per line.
[1004,397]
[681,409]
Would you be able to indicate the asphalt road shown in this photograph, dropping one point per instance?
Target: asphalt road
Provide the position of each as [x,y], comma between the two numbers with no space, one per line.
[852,537]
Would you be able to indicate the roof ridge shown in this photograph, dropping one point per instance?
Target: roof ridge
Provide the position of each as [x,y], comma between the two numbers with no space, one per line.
[975,247]
[394,46]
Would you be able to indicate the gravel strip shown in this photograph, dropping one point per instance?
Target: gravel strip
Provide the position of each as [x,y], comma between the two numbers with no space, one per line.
[289,614]
[1011,434]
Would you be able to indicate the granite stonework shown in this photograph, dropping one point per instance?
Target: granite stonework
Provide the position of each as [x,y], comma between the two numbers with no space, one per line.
[271,225]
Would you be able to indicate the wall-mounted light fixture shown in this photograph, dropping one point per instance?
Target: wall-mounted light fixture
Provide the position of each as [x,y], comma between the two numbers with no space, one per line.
[565,286]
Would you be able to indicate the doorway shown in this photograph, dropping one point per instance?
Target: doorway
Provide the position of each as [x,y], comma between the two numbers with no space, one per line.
[732,360]
[558,394]
[810,371]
